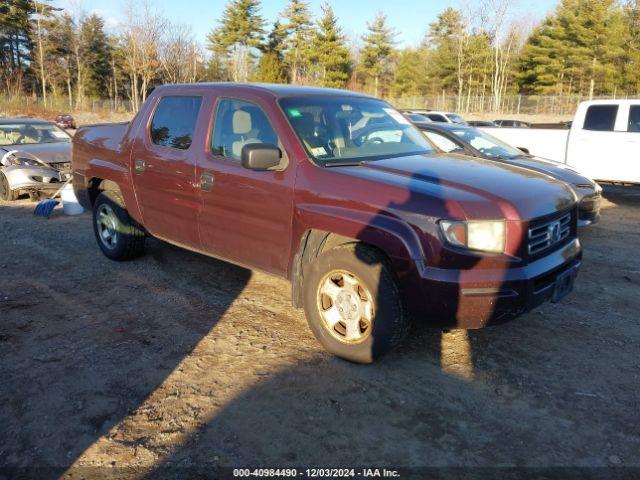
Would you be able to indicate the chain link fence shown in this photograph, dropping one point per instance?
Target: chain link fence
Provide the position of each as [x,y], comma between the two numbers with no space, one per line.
[29,105]
[509,105]
[472,104]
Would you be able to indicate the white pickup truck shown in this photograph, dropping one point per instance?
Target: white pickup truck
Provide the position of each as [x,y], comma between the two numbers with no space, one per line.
[603,142]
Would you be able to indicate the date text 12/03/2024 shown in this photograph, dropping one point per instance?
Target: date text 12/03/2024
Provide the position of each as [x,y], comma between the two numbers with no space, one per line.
[316,473]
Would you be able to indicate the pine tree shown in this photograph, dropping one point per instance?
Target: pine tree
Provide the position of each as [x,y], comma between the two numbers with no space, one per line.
[64,36]
[632,58]
[410,74]
[444,40]
[241,29]
[378,53]
[15,44]
[271,67]
[578,49]
[96,50]
[299,40]
[332,57]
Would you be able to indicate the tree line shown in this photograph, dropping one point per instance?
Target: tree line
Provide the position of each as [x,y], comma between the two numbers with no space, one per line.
[482,49]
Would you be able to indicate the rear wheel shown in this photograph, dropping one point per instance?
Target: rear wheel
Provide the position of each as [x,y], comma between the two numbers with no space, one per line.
[353,304]
[6,193]
[119,236]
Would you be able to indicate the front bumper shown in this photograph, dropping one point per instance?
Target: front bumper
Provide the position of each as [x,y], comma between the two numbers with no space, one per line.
[478,298]
[32,178]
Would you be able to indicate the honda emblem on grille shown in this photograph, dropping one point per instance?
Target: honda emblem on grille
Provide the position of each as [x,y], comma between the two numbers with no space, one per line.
[554,232]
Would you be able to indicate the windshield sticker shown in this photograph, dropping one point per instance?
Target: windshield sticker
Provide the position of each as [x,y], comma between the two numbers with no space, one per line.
[59,134]
[294,113]
[397,116]
[318,151]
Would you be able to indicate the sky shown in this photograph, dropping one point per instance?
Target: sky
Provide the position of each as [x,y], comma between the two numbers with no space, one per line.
[410,18]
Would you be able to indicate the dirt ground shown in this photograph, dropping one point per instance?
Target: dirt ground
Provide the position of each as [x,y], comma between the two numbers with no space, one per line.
[176,362]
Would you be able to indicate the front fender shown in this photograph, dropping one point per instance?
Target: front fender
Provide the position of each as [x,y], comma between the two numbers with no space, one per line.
[392,236]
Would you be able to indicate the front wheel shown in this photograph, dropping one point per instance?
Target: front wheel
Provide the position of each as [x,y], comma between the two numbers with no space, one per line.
[353,304]
[119,236]
[6,193]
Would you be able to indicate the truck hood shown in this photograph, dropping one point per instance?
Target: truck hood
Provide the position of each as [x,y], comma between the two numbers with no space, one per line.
[474,188]
[58,152]
[553,168]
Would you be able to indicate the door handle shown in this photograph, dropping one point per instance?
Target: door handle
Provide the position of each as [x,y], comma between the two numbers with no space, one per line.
[206,182]
[139,167]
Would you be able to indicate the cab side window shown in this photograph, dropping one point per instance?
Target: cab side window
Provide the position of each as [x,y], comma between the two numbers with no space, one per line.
[174,121]
[634,119]
[601,118]
[238,123]
[442,142]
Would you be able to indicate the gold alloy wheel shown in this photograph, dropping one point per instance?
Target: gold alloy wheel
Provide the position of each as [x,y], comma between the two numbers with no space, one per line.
[345,306]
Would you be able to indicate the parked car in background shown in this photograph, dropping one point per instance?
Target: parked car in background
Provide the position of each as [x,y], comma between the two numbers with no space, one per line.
[435,116]
[35,156]
[66,122]
[476,143]
[512,124]
[481,123]
[339,193]
[603,142]
[417,117]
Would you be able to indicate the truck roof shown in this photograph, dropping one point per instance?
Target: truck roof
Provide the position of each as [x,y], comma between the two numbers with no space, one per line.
[274,89]
[612,102]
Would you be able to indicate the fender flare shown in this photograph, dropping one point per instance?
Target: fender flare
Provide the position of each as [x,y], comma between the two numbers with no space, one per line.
[327,227]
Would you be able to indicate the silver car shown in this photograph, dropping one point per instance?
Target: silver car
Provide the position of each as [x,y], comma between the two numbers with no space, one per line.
[35,157]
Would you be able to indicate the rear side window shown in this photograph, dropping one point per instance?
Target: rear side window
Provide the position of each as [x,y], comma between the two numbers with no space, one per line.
[174,121]
[601,118]
[634,119]
[436,118]
[238,123]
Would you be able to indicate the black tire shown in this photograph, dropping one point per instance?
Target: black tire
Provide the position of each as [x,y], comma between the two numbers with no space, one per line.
[390,323]
[6,193]
[128,241]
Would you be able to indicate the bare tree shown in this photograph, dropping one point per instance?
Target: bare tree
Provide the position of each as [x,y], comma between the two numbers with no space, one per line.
[495,16]
[43,12]
[141,37]
[179,55]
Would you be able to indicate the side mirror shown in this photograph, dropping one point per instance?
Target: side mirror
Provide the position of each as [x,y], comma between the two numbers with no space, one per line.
[524,150]
[260,156]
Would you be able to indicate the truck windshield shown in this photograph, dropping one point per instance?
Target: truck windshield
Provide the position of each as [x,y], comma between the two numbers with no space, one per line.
[337,129]
[487,144]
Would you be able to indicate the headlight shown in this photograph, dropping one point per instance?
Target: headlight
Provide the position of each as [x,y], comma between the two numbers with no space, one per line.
[13,160]
[483,236]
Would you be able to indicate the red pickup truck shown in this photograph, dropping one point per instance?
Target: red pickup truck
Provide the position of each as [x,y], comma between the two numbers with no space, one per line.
[339,193]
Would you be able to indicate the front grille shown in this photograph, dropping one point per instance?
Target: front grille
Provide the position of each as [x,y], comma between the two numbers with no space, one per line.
[545,235]
[62,166]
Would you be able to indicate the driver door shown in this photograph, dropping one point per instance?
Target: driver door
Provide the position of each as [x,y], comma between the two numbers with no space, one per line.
[246,215]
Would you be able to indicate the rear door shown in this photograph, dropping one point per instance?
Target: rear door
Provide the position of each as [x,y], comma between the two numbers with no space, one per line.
[592,145]
[164,170]
[246,215]
[628,149]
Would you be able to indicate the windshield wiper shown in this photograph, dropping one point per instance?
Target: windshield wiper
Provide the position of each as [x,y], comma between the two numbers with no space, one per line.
[344,164]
